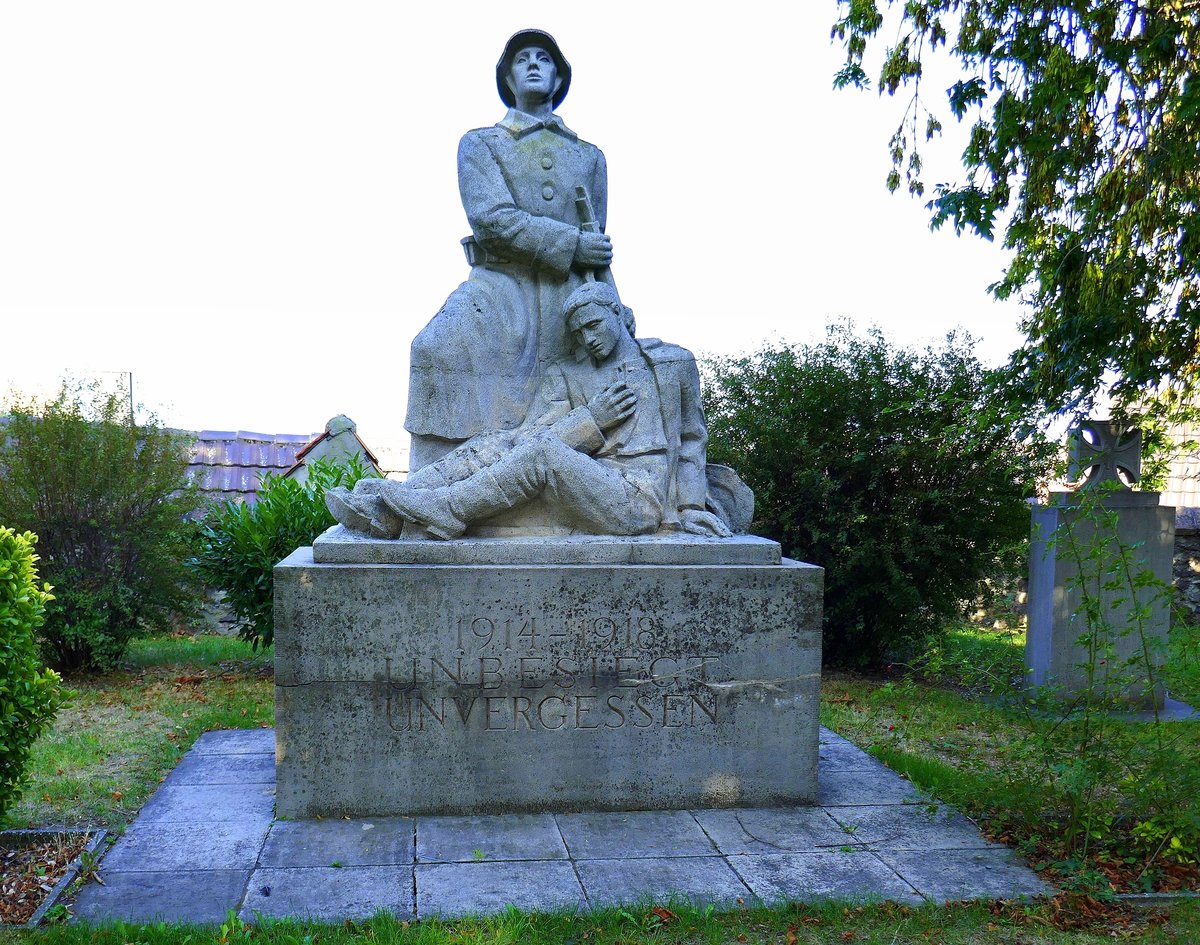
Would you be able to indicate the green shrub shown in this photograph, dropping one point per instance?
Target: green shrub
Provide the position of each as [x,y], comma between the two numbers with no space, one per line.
[29,695]
[109,500]
[897,471]
[239,544]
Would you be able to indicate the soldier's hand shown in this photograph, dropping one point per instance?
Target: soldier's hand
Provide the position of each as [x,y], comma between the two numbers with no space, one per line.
[613,405]
[594,251]
[699,522]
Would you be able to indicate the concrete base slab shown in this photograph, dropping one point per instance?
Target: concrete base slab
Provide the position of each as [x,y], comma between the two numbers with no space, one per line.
[382,841]
[644,833]
[329,894]
[199,896]
[810,877]
[703,880]
[455,889]
[476,839]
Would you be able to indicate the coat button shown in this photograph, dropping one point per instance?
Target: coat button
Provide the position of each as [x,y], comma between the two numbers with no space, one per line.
[547,192]
[547,161]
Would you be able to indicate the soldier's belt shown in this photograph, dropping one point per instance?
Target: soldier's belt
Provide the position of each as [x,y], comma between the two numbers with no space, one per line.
[478,256]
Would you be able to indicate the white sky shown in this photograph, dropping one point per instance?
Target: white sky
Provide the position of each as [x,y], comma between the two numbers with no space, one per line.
[252,206]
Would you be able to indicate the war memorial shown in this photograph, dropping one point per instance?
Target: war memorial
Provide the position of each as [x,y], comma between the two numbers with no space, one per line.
[559,609]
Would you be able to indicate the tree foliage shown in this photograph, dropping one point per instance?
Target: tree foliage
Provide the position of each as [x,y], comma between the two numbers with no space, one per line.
[109,500]
[239,544]
[894,470]
[1084,146]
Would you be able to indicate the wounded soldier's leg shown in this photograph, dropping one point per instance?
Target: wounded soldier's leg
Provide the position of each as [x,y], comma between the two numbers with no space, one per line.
[595,497]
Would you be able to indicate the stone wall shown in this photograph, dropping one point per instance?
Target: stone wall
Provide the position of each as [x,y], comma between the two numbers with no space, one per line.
[1187,571]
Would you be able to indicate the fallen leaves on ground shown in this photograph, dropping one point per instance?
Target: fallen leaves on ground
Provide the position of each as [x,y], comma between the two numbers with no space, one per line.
[28,873]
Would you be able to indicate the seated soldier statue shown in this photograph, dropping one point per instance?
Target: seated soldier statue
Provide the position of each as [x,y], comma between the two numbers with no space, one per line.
[615,441]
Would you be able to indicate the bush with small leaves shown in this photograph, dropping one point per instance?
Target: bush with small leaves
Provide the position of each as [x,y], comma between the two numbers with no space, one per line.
[30,695]
[239,544]
[109,500]
[897,471]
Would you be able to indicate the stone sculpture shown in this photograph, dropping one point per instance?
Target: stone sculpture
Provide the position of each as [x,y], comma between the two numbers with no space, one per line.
[535,195]
[527,389]
[615,439]
[597,616]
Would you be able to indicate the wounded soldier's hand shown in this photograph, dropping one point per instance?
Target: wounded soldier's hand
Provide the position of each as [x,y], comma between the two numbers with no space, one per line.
[613,405]
[699,522]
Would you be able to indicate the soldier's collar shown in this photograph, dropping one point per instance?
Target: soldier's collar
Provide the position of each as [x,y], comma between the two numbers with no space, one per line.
[518,124]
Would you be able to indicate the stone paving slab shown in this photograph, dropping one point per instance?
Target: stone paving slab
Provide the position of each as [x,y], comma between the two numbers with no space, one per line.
[377,841]
[206,844]
[838,787]
[910,827]
[212,768]
[607,835]
[206,803]
[704,880]
[154,846]
[195,896]
[967,874]
[456,889]
[475,839]
[773,830]
[238,741]
[329,894]
[853,874]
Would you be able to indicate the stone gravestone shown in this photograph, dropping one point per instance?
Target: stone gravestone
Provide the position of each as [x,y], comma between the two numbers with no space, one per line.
[559,608]
[1076,552]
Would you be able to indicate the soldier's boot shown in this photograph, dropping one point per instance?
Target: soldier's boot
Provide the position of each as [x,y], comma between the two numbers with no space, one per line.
[445,512]
[362,513]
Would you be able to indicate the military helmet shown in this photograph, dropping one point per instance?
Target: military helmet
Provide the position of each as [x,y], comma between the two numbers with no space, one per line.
[516,43]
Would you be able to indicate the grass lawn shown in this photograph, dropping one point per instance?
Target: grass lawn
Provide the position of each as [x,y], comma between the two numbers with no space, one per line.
[124,731]
[1037,780]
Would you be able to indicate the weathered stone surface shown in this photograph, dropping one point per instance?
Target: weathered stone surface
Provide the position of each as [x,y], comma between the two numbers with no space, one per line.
[644,833]
[701,879]
[1053,656]
[442,689]
[202,803]
[909,827]
[199,768]
[340,545]
[380,841]
[853,873]
[479,839]
[195,896]
[329,893]
[966,874]
[451,889]
[773,830]
[157,846]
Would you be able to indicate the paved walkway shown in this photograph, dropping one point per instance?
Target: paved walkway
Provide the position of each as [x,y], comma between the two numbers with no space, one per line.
[207,842]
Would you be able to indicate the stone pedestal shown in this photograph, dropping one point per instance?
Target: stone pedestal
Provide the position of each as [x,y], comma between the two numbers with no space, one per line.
[1061,537]
[494,675]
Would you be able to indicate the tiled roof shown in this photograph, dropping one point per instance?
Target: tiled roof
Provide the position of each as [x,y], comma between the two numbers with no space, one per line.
[228,464]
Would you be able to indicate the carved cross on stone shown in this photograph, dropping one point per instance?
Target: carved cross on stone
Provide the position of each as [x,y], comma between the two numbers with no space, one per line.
[1113,451]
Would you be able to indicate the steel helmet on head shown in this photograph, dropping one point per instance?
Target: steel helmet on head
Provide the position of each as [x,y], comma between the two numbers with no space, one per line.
[515,44]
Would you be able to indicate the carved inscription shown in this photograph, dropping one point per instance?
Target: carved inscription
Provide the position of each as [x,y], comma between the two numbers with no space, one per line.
[510,675]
